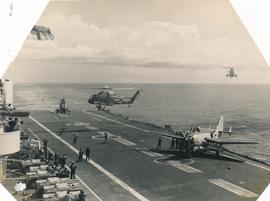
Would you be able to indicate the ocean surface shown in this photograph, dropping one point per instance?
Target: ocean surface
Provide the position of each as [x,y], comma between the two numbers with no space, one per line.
[245,107]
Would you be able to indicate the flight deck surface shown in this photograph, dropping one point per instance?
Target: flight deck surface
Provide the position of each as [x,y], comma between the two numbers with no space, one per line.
[127,167]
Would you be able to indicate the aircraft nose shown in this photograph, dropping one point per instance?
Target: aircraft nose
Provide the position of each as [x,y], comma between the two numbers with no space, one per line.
[90,100]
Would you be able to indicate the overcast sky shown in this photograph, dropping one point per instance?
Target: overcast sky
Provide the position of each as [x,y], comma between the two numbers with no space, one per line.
[183,41]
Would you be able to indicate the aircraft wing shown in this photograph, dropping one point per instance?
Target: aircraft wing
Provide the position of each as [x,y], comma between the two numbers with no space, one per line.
[179,137]
[227,141]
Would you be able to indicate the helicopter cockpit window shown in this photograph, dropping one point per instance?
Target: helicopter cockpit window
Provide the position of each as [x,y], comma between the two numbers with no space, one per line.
[196,129]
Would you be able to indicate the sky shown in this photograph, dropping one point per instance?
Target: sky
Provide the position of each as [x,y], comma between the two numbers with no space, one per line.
[153,41]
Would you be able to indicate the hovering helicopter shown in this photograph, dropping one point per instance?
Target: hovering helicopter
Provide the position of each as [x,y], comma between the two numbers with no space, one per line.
[107,97]
[231,73]
[41,33]
[62,108]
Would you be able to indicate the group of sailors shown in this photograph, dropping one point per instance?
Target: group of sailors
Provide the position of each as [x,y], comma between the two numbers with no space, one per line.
[10,124]
[60,161]
[186,144]
[57,163]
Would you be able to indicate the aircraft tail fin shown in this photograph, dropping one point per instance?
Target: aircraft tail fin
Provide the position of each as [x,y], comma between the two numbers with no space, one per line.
[135,96]
[230,131]
[220,126]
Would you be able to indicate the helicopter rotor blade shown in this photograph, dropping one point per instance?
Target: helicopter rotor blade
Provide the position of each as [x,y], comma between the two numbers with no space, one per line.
[124,88]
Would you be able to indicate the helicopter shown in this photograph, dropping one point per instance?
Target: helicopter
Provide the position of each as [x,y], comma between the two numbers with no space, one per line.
[62,108]
[41,33]
[231,73]
[107,97]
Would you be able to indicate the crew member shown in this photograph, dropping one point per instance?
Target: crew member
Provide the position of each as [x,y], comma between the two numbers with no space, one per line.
[50,157]
[172,144]
[11,124]
[87,154]
[45,153]
[72,170]
[17,125]
[80,157]
[63,160]
[177,143]
[105,137]
[45,142]
[10,108]
[81,196]
[159,144]
[56,159]
[67,196]
[75,138]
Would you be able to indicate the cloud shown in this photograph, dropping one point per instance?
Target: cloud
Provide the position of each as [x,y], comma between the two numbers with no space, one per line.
[156,44]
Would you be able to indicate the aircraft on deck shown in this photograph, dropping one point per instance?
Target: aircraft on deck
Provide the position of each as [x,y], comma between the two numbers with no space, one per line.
[204,139]
[107,97]
[231,73]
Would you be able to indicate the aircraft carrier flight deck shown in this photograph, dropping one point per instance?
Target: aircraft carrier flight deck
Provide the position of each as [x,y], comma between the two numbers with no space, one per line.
[127,167]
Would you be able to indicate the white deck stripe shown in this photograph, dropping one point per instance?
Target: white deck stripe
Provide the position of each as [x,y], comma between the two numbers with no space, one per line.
[86,186]
[152,154]
[120,140]
[107,173]
[125,142]
[112,120]
[233,188]
[258,166]
[102,133]
[125,124]
[184,167]
[97,119]
[92,128]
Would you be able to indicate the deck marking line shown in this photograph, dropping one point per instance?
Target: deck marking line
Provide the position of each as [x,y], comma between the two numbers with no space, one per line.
[103,133]
[125,124]
[120,140]
[184,167]
[125,142]
[258,166]
[86,186]
[112,120]
[233,188]
[152,154]
[97,119]
[92,128]
[96,165]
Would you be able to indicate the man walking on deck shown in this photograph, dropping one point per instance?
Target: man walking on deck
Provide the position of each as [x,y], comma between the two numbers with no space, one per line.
[172,144]
[87,154]
[158,148]
[105,137]
[80,157]
[75,138]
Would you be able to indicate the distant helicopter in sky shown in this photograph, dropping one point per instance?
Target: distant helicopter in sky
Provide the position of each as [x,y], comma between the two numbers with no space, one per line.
[231,73]
[41,33]
[107,97]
